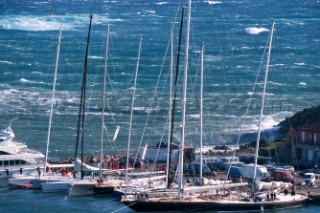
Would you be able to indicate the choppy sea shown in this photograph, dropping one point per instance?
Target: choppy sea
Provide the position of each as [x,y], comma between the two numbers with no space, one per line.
[234,33]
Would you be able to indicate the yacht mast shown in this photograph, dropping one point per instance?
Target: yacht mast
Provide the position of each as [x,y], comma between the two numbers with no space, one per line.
[81,116]
[262,106]
[53,95]
[104,99]
[131,114]
[184,102]
[170,110]
[201,112]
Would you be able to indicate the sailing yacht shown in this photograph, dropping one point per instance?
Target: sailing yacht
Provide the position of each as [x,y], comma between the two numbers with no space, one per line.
[82,186]
[225,197]
[107,180]
[140,179]
[44,175]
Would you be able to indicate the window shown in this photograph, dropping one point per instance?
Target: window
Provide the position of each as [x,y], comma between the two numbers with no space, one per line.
[303,137]
[314,138]
[6,163]
[17,162]
[309,154]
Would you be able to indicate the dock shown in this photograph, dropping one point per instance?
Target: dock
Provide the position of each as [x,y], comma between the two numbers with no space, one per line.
[312,192]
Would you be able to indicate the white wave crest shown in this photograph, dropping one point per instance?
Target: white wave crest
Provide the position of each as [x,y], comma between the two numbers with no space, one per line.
[300,64]
[255,30]
[303,83]
[49,22]
[6,62]
[36,73]
[32,23]
[268,122]
[96,57]
[150,11]
[161,3]
[211,58]
[214,2]
[23,80]
[194,116]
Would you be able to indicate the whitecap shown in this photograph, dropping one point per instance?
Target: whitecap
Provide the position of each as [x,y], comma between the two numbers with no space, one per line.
[211,58]
[194,116]
[116,20]
[23,80]
[255,30]
[14,91]
[72,100]
[303,83]
[300,64]
[214,2]
[151,11]
[37,73]
[275,65]
[48,23]
[102,19]
[161,3]
[31,23]
[246,48]
[6,62]
[96,57]
[250,93]
[268,122]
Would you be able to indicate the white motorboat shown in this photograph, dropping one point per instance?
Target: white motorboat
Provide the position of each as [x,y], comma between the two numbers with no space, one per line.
[16,157]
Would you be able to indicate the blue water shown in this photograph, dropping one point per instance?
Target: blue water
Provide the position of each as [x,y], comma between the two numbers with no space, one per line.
[234,33]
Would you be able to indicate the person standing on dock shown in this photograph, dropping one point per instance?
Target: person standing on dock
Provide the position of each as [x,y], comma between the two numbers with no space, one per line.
[274,196]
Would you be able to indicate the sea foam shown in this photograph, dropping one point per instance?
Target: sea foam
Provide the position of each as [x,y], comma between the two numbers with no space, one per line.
[6,62]
[32,23]
[255,30]
[23,80]
[50,22]
[161,3]
[214,2]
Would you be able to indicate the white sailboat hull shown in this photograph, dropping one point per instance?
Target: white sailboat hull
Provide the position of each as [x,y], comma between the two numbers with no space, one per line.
[81,187]
[59,186]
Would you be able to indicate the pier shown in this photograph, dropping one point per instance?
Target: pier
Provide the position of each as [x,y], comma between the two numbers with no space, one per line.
[313,193]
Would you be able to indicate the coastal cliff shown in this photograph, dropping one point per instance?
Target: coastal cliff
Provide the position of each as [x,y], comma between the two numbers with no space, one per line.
[304,117]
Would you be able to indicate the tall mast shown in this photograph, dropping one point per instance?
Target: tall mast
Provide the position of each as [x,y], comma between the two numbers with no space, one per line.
[201,112]
[184,102]
[81,115]
[131,114]
[262,106]
[104,99]
[170,110]
[174,100]
[53,95]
